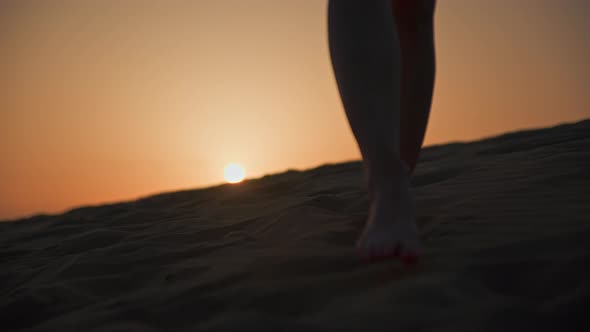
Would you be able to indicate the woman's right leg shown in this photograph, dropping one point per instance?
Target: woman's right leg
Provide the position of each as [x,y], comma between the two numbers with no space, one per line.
[366,58]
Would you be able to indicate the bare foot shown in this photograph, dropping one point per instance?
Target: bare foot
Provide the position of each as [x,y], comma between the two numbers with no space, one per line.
[391,230]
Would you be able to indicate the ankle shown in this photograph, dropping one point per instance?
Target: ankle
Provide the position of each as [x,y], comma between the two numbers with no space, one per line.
[385,180]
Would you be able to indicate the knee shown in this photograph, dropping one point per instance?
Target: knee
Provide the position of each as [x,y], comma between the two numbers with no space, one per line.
[414,12]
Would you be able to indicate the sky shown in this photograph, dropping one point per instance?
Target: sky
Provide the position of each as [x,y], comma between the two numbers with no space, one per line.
[102,101]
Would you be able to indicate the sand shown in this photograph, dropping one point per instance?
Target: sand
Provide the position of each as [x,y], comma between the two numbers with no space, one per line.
[505,222]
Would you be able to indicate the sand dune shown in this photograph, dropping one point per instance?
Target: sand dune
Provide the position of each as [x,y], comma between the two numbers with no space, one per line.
[505,221]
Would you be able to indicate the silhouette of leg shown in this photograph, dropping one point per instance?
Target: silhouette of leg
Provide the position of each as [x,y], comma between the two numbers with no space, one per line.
[366,58]
[415,26]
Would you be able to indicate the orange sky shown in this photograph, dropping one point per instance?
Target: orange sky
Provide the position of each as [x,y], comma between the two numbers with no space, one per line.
[109,100]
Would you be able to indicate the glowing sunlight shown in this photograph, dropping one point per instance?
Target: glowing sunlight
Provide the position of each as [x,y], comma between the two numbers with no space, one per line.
[234,173]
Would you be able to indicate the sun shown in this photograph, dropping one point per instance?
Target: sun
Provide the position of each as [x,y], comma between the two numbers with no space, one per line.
[234,173]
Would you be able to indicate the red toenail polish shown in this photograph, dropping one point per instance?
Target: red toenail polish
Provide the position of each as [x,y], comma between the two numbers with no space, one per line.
[410,259]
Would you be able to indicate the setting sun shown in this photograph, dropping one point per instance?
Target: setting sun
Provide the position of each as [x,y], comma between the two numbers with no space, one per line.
[234,173]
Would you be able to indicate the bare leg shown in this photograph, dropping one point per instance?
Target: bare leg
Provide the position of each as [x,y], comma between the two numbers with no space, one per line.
[415,25]
[366,58]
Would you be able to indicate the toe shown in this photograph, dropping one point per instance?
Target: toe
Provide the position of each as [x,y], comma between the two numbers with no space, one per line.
[380,253]
[409,258]
[410,254]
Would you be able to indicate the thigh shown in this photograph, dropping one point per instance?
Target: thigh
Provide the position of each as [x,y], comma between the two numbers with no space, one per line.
[413,9]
